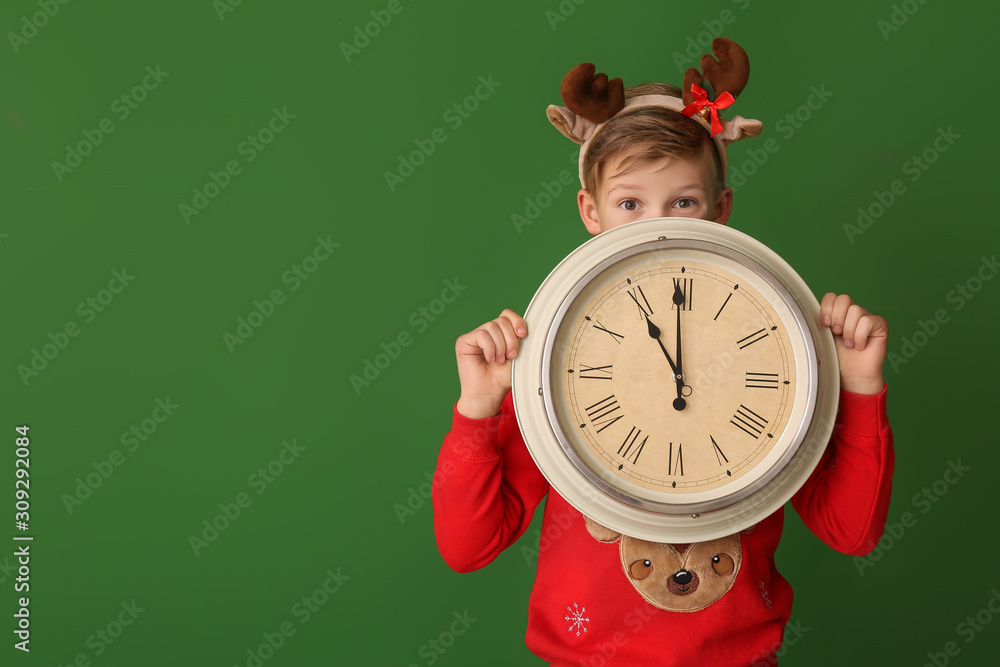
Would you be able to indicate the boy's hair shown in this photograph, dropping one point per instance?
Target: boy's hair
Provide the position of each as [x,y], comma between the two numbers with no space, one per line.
[649,134]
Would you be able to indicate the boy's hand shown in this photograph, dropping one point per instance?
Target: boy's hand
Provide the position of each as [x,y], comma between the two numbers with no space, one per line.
[483,370]
[861,340]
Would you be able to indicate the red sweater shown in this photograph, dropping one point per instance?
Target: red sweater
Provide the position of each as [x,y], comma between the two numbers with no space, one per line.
[584,610]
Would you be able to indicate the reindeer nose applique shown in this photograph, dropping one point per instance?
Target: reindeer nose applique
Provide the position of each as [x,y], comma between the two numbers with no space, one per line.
[683,582]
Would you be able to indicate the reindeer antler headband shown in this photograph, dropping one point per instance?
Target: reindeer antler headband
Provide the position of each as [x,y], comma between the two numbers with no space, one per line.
[592,100]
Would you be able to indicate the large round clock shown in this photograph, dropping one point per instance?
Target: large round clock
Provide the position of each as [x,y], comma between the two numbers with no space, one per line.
[675,384]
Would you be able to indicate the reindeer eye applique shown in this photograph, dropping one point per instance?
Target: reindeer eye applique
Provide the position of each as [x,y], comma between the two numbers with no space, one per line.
[641,569]
[723,564]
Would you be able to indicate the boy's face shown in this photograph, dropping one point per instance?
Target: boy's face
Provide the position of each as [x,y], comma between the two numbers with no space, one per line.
[668,188]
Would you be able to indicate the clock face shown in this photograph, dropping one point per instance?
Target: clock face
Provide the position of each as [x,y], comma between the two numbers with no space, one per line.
[675,384]
[674,376]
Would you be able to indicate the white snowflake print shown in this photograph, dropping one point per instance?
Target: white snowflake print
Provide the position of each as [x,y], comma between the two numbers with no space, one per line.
[577,618]
[763,593]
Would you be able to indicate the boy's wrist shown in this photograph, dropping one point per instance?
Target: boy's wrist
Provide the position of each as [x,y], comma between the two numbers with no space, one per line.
[862,385]
[478,409]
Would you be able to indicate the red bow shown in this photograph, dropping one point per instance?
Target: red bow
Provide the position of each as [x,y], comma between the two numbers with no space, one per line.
[701,101]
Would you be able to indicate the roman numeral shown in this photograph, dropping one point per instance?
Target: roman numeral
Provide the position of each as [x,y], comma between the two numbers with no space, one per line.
[600,413]
[618,338]
[596,372]
[762,380]
[748,421]
[675,464]
[752,338]
[626,451]
[720,456]
[643,313]
[686,288]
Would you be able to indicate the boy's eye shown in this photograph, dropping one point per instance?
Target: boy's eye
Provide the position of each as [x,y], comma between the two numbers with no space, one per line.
[629,205]
[685,203]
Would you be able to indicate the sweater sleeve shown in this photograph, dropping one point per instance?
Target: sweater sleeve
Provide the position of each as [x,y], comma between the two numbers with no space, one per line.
[846,500]
[486,488]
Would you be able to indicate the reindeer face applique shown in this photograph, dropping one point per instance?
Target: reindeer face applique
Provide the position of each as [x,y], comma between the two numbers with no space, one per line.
[677,577]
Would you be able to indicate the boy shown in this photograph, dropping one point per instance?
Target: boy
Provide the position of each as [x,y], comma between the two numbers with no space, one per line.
[649,160]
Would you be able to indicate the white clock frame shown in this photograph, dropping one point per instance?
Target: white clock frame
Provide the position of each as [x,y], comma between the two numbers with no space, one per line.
[609,501]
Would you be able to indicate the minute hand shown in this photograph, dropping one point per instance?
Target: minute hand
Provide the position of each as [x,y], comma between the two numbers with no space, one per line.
[679,403]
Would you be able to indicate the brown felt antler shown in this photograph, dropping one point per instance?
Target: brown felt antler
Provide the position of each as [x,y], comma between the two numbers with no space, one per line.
[730,74]
[592,95]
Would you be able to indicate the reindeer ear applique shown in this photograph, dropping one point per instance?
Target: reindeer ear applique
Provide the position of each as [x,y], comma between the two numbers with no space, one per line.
[599,532]
[723,80]
[590,100]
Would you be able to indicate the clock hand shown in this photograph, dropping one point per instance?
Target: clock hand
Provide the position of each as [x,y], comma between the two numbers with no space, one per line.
[679,402]
[654,332]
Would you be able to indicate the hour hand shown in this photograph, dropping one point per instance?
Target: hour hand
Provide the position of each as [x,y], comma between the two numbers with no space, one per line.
[654,332]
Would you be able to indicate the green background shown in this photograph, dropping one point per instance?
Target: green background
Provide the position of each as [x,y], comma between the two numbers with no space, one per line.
[369,450]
